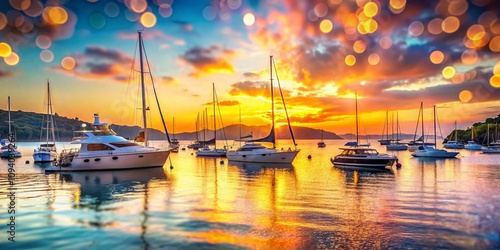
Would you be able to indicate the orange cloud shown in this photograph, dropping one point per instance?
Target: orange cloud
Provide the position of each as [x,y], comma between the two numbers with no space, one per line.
[98,62]
[209,60]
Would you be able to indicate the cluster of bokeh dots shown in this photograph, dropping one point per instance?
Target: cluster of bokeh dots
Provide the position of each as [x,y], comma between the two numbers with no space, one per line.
[26,15]
[365,20]
[484,34]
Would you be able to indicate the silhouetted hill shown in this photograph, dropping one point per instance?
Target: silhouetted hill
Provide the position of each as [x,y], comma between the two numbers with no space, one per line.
[28,126]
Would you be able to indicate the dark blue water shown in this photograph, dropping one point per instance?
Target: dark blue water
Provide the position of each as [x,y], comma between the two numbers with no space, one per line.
[205,204]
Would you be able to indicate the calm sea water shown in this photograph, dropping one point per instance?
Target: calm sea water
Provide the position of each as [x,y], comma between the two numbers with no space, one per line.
[203,203]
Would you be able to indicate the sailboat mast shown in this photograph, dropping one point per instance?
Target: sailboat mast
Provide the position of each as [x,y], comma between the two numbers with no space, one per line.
[240,124]
[143,90]
[422,109]
[215,127]
[48,114]
[435,133]
[272,98]
[357,132]
[8,106]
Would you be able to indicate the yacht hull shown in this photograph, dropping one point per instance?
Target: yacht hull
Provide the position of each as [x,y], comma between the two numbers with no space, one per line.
[44,156]
[396,147]
[491,151]
[362,162]
[434,154]
[211,153]
[263,156]
[7,154]
[115,161]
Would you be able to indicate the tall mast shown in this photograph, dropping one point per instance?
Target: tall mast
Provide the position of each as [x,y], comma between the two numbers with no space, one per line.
[387,124]
[435,134]
[143,89]
[240,125]
[357,132]
[215,127]
[8,106]
[272,99]
[422,109]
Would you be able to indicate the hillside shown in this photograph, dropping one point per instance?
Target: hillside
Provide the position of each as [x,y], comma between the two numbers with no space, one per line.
[27,127]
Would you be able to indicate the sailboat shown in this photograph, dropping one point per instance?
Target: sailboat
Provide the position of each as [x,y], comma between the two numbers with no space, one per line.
[395,145]
[413,145]
[321,144]
[490,148]
[47,151]
[362,157]
[258,153]
[196,144]
[7,149]
[102,149]
[472,144]
[455,144]
[174,143]
[432,152]
[206,150]
[385,131]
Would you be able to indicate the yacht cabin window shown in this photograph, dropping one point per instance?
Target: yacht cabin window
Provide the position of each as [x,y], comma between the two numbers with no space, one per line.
[98,147]
[124,144]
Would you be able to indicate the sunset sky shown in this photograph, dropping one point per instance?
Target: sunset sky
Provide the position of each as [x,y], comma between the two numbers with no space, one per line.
[394,53]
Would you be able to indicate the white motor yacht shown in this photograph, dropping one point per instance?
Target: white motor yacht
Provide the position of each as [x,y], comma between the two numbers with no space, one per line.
[101,149]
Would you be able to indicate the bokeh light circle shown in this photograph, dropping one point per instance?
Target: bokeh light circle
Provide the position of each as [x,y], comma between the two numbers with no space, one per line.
[373,59]
[436,57]
[359,46]
[450,24]
[434,26]
[12,59]
[166,10]
[465,96]
[97,21]
[148,19]
[495,44]
[68,63]
[448,72]
[385,42]
[209,13]
[416,28]
[469,56]
[350,60]
[3,21]
[326,26]
[112,9]
[495,81]
[5,50]
[46,55]
[249,19]
[43,42]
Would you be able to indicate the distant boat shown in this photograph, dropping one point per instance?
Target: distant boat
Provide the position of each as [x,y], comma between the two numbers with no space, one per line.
[455,144]
[395,145]
[490,149]
[472,145]
[431,152]
[360,157]
[255,152]
[413,145]
[174,143]
[47,151]
[8,150]
[321,144]
[206,150]
[385,131]
[101,149]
